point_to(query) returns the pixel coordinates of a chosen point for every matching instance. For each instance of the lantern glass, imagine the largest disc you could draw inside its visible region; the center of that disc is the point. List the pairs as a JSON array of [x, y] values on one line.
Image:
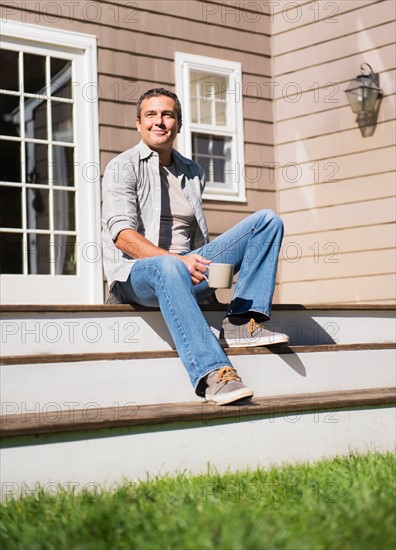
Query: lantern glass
[[362, 94]]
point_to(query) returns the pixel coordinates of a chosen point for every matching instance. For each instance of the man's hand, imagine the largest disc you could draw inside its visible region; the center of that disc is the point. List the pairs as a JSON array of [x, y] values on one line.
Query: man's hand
[[197, 265]]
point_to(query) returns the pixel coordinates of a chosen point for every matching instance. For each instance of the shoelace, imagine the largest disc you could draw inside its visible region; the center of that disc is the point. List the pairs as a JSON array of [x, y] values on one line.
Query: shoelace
[[252, 326], [226, 374]]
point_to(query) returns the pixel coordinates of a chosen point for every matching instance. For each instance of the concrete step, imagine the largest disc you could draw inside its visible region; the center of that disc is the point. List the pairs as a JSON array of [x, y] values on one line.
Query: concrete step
[[86, 452], [50, 384], [51, 330]]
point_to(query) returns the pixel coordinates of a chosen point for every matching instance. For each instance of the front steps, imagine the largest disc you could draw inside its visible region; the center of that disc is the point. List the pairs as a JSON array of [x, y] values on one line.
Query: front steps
[[84, 400]]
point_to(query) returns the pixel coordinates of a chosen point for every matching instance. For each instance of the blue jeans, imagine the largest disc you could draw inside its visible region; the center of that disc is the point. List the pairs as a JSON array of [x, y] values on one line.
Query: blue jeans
[[252, 246]]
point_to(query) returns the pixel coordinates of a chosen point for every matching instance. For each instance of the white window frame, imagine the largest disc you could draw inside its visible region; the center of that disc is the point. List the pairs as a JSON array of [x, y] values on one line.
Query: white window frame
[[87, 286], [184, 63]]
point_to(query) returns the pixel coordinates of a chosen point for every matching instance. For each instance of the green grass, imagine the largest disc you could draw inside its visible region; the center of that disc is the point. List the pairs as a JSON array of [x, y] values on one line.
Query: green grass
[[345, 503]]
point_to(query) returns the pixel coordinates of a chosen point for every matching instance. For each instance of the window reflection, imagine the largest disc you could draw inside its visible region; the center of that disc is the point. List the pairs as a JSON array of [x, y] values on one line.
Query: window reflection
[[62, 121], [39, 254], [37, 163], [11, 207], [65, 255], [61, 78], [11, 253], [37, 211], [34, 73], [64, 211], [36, 118], [9, 70], [9, 115], [10, 160], [63, 165]]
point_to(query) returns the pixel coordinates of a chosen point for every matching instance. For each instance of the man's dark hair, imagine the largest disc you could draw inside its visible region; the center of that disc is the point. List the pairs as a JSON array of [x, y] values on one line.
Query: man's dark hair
[[156, 92]]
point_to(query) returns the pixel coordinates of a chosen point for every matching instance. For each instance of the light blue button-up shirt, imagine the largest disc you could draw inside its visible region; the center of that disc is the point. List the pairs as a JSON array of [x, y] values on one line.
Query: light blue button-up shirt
[[132, 200]]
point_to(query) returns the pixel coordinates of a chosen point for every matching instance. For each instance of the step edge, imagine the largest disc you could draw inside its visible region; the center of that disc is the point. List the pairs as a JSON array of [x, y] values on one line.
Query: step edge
[[166, 413], [124, 355], [111, 308]]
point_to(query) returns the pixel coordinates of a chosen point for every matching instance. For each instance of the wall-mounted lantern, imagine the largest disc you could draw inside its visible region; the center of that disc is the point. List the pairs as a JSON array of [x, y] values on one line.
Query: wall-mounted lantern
[[364, 96]]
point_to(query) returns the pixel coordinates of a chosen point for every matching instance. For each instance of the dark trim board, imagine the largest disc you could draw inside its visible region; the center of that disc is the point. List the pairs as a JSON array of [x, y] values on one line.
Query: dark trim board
[[111, 308], [166, 413], [278, 350]]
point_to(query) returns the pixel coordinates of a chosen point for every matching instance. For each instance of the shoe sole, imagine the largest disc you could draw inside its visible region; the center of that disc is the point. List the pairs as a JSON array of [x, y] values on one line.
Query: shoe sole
[[252, 343], [226, 398]]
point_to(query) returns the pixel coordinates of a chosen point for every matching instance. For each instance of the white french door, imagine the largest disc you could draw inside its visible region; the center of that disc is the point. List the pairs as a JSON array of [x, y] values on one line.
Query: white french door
[[49, 169]]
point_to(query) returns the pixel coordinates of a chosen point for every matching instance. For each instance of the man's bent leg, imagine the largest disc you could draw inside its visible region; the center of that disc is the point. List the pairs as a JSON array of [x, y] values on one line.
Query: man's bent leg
[[252, 246], [165, 281]]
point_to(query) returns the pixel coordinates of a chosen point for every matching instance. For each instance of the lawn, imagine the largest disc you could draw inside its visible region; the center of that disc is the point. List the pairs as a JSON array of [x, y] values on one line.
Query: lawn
[[346, 503]]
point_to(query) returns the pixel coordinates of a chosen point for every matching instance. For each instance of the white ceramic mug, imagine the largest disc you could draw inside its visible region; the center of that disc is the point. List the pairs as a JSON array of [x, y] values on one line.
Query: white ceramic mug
[[220, 275]]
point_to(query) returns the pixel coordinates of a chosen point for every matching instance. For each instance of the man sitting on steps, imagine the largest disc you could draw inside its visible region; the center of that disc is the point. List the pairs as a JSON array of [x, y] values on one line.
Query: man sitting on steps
[[157, 250]]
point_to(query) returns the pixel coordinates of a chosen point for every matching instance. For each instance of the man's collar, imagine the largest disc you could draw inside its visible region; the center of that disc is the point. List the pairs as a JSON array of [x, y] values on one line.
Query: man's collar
[[144, 150]]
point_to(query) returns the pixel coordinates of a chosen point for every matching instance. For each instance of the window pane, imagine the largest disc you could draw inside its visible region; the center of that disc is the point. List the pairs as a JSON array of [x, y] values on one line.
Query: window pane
[[10, 160], [35, 118], [37, 208], [63, 165], [206, 164], [220, 113], [219, 170], [194, 110], [38, 251], [9, 70], [11, 207], [61, 78], [219, 146], [64, 211], [11, 253], [37, 163], [9, 115], [211, 92], [34, 73], [62, 121], [205, 108], [65, 255], [201, 144]]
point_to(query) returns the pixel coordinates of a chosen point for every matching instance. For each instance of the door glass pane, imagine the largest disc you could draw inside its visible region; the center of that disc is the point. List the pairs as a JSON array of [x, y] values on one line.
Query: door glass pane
[[35, 118], [38, 252], [37, 210], [62, 121], [9, 115], [63, 165], [9, 70], [34, 73], [10, 160], [37, 163], [64, 210], [11, 253], [65, 255], [61, 78], [11, 207]]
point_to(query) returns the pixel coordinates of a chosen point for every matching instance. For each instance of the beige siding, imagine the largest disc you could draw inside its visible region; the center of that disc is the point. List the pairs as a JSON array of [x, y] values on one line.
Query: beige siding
[[335, 188]]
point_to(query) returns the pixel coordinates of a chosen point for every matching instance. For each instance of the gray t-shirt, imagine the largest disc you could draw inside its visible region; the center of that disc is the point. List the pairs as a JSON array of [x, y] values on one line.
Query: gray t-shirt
[[176, 214]]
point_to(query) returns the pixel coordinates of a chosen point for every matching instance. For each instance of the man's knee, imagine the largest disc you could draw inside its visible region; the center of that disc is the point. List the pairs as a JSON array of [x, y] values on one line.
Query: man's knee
[[171, 268], [269, 216]]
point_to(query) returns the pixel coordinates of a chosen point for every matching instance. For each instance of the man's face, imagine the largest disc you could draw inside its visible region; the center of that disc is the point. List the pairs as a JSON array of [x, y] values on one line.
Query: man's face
[[158, 123]]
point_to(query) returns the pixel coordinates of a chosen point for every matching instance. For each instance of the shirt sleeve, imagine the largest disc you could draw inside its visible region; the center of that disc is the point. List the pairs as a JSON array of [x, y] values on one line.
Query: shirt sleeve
[[120, 208]]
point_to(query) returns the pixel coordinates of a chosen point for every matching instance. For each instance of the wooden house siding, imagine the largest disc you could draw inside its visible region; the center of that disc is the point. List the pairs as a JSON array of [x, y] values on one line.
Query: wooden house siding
[[335, 188]]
